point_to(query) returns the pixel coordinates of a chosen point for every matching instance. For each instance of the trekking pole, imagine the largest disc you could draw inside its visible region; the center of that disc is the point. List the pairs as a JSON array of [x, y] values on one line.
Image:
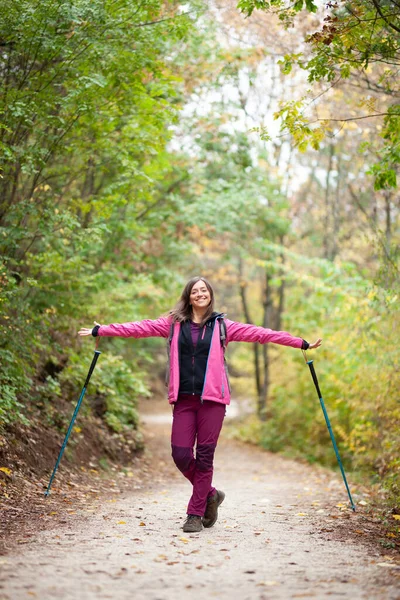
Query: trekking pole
[[328, 423], [92, 366]]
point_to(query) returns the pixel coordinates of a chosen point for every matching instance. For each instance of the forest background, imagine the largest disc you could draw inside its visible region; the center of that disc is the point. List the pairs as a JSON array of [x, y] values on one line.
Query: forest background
[[256, 144]]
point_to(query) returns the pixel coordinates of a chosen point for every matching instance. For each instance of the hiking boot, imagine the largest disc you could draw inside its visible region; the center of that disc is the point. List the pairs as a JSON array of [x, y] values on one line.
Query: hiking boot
[[192, 524], [211, 514]]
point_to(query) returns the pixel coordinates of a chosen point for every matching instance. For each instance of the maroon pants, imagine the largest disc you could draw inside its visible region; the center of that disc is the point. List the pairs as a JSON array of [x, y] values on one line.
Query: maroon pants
[[198, 422]]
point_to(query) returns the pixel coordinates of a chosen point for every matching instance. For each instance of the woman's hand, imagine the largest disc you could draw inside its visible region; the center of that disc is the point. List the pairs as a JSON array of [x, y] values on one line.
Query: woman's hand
[[86, 331], [315, 344]]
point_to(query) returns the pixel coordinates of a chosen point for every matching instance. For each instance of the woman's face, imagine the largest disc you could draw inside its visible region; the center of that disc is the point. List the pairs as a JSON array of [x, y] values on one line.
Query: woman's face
[[200, 296]]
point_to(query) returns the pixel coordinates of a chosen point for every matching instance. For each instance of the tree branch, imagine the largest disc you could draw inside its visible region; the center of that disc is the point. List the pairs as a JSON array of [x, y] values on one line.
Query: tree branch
[[384, 17]]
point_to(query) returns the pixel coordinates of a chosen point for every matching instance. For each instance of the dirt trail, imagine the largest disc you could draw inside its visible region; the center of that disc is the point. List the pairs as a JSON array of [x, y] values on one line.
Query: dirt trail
[[279, 536]]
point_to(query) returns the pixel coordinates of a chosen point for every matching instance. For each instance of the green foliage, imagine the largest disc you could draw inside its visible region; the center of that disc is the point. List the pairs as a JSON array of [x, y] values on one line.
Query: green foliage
[[357, 369], [87, 99], [248, 6], [115, 384]]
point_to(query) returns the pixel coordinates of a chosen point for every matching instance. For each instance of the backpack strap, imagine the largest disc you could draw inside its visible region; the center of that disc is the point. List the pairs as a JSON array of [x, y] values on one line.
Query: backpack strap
[[222, 332], [171, 333], [169, 340]]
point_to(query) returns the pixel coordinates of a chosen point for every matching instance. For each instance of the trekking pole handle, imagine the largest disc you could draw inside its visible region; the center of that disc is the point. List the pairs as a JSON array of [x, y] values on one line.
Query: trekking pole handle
[[314, 376], [92, 366]]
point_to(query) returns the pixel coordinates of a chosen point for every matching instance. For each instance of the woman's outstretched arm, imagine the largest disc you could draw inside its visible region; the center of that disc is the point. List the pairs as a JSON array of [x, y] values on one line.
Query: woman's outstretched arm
[[243, 332], [137, 329]]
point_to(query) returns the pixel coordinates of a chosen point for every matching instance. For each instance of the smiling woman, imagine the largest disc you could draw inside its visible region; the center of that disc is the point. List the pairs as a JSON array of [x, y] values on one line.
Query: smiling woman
[[198, 387]]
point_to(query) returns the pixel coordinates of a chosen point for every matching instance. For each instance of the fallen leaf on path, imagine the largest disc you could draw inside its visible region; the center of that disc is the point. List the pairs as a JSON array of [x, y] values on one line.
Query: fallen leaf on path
[[121, 523], [301, 515], [184, 540], [141, 524], [267, 583]]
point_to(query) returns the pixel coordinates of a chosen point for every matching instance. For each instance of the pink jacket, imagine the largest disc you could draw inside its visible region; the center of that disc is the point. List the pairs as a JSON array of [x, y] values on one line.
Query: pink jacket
[[216, 384]]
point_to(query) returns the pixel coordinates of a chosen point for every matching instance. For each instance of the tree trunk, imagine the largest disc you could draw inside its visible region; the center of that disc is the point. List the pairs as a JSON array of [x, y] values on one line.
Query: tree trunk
[[327, 224], [262, 397], [256, 347]]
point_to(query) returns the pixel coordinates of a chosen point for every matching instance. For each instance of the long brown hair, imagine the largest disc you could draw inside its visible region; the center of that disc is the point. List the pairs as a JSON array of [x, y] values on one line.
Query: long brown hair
[[183, 309]]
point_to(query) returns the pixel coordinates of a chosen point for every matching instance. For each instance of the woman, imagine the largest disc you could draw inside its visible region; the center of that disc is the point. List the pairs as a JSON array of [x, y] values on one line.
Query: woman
[[198, 385]]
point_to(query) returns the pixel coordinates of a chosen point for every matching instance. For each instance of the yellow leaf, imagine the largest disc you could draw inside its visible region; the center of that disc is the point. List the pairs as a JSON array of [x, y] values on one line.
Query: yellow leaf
[[141, 524], [397, 517], [52, 513], [121, 523], [77, 429], [5, 470], [301, 515], [388, 565], [184, 540]]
